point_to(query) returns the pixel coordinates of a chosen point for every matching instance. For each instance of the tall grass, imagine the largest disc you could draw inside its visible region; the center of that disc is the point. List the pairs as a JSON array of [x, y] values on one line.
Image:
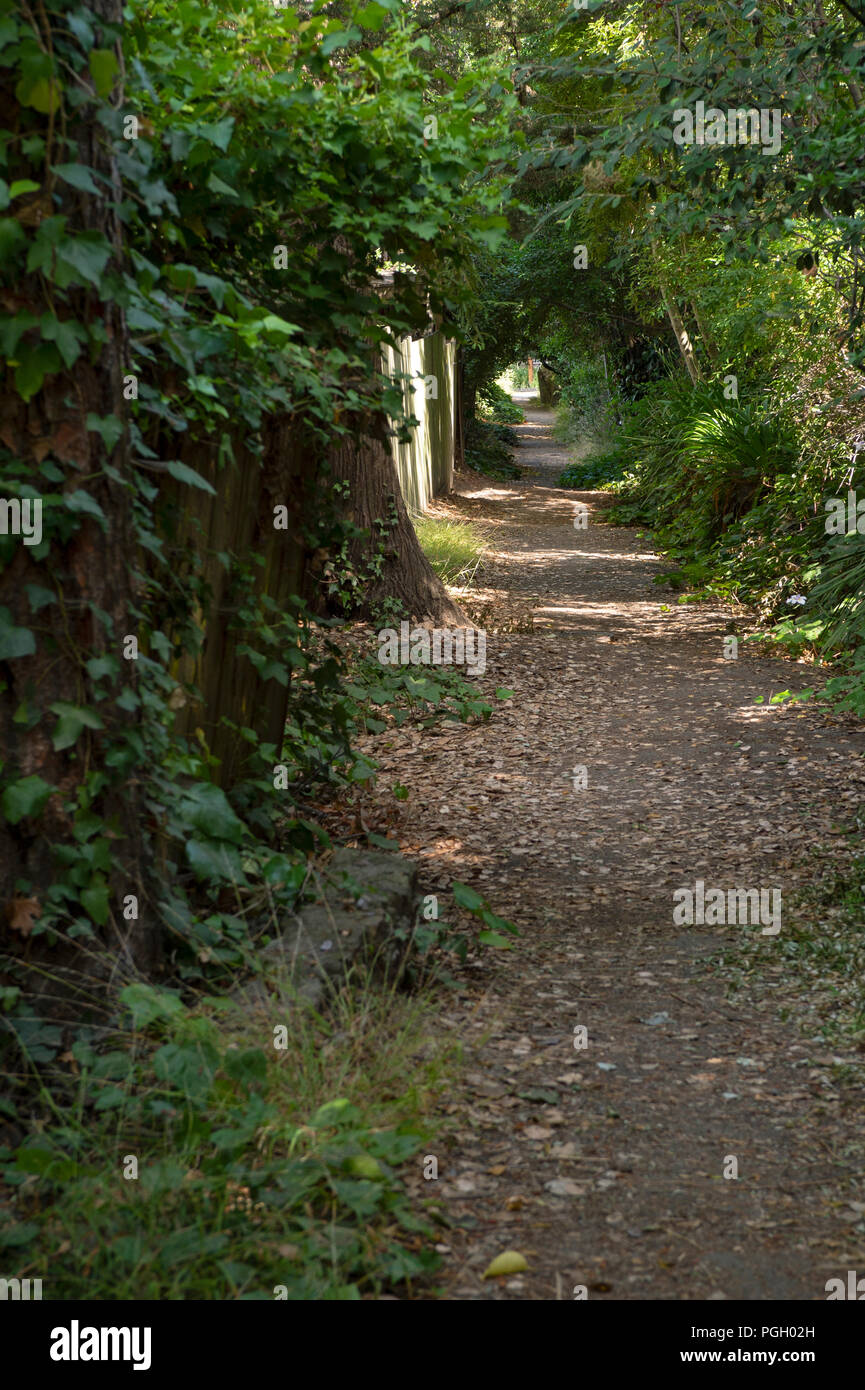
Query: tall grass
[[204, 1154], [455, 549]]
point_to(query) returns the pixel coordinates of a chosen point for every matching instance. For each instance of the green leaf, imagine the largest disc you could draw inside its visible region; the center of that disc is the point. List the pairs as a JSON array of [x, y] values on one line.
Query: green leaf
[[104, 68], [372, 16], [215, 860], [184, 474], [249, 1067], [72, 719], [14, 641], [216, 185], [492, 938], [11, 330], [272, 323], [38, 596], [147, 1004], [206, 808], [108, 427], [99, 666], [20, 1234], [83, 259], [21, 186], [218, 133], [8, 31], [11, 236], [466, 897], [34, 365], [47, 1163], [82, 503], [26, 797], [67, 334], [341, 39], [109, 1098], [78, 175], [43, 94], [94, 900]]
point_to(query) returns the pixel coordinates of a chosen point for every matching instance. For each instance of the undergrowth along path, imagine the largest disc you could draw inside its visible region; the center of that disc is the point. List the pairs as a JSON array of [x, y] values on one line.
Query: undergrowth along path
[[604, 1166]]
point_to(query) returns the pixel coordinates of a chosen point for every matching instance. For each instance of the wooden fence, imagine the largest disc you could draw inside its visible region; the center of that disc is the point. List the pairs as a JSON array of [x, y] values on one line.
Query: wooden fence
[[426, 465], [238, 520]]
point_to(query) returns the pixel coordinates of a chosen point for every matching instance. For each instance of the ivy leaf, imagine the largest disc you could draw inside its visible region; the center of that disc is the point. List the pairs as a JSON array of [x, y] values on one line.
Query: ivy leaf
[[216, 185], [103, 68], [78, 175], [215, 859], [11, 235], [82, 258], [81, 29], [43, 94], [184, 474], [67, 334], [26, 797], [39, 596], [99, 666], [108, 427], [14, 641], [82, 503], [11, 330], [35, 364], [206, 808], [94, 900], [20, 186], [8, 31], [71, 720]]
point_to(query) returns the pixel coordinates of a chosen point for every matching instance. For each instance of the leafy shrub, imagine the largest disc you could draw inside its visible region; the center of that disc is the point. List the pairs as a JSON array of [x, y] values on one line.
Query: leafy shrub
[[495, 404], [258, 1169], [488, 449], [588, 408], [593, 472]]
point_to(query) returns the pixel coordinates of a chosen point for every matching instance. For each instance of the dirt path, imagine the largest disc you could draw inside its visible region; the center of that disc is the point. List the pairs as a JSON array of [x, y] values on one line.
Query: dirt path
[[605, 1166]]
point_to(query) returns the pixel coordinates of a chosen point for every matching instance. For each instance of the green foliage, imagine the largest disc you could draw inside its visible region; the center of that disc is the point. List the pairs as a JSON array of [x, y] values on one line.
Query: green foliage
[[227, 161], [823, 946], [495, 404], [432, 941], [594, 472], [488, 449], [261, 1173]]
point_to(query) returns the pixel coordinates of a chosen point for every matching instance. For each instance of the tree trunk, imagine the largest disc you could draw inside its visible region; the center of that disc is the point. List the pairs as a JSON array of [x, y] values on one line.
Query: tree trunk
[[548, 390], [386, 563], [685, 346], [90, 575]]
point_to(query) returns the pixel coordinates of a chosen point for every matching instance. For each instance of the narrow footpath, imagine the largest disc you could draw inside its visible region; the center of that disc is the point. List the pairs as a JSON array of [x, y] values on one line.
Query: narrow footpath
[[604, 1165]]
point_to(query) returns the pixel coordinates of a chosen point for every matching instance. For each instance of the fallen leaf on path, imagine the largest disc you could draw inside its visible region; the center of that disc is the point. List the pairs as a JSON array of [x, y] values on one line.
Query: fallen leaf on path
[[509, 1262]]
